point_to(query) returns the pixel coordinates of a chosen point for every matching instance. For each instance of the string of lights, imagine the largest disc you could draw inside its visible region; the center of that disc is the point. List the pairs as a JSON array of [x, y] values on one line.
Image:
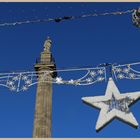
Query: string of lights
[[21, 81], [60, 19]]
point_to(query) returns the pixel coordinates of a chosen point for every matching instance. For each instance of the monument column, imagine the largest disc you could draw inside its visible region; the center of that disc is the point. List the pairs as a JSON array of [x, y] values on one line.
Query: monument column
[[43, 108]]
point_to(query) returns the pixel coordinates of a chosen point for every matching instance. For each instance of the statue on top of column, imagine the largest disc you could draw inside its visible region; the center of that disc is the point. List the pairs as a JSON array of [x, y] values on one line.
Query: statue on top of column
[[47, 44]]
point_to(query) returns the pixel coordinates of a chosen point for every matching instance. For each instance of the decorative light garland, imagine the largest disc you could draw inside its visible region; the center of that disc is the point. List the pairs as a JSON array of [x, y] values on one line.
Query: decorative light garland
[[59, 19], [126, 72], [21, 81]]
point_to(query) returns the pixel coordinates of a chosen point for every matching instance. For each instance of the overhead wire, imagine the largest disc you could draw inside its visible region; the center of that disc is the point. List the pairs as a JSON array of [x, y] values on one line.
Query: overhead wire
[[101, 66], [64, 18]]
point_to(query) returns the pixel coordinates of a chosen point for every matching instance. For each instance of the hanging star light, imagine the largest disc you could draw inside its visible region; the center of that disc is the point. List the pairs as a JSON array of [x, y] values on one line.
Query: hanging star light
[[113, 105]]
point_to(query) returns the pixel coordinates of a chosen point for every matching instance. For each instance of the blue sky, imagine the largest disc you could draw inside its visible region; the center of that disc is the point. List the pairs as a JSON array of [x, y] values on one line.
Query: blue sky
[[76, 43]]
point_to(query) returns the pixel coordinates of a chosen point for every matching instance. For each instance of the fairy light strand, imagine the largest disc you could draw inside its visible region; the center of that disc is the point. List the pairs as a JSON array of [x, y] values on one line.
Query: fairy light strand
[[59, 19]]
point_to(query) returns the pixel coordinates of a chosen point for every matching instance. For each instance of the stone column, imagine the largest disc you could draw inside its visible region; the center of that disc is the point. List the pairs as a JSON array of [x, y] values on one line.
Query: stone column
[[43, 108]]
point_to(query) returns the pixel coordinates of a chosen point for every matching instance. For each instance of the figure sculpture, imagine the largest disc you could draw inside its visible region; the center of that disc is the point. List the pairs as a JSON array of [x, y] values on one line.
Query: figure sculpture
[[47, 45]]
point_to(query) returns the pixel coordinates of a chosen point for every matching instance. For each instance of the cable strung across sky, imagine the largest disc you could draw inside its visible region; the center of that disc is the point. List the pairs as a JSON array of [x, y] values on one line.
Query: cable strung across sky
[[65, 18]]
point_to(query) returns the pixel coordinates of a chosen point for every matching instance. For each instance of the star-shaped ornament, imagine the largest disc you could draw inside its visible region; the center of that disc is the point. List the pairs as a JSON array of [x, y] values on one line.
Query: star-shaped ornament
[[113, 105]]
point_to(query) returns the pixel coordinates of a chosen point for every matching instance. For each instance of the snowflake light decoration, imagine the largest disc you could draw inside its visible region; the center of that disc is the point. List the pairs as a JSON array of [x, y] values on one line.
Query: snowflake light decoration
[[22, 81], [125, 72]]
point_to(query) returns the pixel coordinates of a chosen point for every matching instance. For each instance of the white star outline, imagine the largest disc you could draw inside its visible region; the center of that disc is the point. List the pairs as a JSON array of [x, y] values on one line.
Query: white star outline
[[106, 116]]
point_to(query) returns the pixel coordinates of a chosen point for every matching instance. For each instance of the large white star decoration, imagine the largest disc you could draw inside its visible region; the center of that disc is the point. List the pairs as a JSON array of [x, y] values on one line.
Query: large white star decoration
[[113, 105]]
